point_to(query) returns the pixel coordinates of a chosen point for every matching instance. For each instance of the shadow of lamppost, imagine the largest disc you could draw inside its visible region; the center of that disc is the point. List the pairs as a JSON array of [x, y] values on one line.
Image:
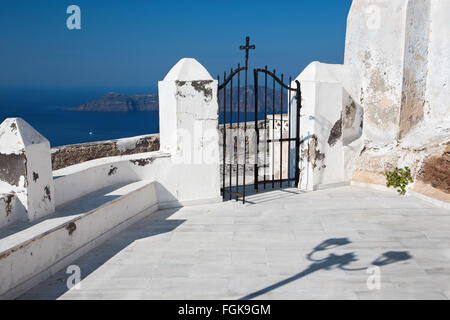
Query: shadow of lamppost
[[333, 261]]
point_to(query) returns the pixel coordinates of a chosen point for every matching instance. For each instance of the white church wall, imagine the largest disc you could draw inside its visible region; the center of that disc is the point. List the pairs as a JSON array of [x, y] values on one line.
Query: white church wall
[[438, 80], [375, 43], [400, 49]]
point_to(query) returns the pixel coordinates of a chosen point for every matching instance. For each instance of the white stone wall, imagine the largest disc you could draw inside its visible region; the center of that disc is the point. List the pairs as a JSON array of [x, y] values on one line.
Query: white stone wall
[[438, 80], [375, 43], [400, 48]]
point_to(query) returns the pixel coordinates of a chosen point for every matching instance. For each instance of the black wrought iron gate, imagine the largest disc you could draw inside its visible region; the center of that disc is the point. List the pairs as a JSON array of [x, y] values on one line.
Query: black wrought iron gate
[[258, 153]]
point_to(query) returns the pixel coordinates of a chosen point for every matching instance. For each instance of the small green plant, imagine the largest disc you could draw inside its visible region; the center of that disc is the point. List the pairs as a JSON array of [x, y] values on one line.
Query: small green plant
[[399, 178]]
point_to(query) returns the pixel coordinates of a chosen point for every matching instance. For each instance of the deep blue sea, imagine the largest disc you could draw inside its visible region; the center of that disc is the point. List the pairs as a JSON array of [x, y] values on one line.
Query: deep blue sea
[[44, 110]]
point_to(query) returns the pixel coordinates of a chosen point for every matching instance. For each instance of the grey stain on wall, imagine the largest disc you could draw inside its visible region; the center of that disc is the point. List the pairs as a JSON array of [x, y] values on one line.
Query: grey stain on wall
[[12, 168], [314, 156], [336, 133], [8, 202], [112, 171], [71, 227], [47, 194], [203, 86], [142, 162]]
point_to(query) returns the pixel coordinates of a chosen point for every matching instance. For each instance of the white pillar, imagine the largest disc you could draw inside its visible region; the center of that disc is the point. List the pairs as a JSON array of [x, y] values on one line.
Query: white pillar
[[26, 170], [188, 115], [321, 155]]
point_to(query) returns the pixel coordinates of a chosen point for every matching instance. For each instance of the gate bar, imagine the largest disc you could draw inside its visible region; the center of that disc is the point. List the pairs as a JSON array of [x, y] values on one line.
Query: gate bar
[[289, 129], [225, 132], [231, 131], [281, 135], [223, 147], [238, 130], [273, 132], [265, 124], [297, 142], [255, 182]]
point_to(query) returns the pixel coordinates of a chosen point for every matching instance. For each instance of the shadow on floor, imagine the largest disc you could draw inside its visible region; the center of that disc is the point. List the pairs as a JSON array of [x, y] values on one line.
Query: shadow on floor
[[266, 194], [156, 224], [333, 261]]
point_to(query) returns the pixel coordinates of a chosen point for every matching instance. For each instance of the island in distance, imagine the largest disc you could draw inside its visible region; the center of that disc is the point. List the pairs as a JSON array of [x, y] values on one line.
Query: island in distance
[[149, 102], [121, 102]]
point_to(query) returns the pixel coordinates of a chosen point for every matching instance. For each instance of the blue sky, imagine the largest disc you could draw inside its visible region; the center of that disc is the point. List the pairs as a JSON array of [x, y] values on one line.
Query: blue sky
[[133, 44]]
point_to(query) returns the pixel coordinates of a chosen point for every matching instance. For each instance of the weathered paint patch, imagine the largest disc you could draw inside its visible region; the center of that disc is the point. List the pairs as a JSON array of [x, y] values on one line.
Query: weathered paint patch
[[71, 227], [435, 171], [47, 194], [12, 167], [335, 133], [65, 156], [8, 203], [349, 115], [411, 112], [142, 162], [180, 83], [203, 87], [314, 156], [112, 171]]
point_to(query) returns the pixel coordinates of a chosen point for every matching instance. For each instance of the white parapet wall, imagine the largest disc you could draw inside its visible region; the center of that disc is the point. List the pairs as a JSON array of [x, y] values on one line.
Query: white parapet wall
[[32, 254]]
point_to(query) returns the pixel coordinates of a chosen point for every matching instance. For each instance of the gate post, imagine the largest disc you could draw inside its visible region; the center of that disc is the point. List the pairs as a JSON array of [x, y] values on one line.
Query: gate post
[[322, 149], [188, 118]]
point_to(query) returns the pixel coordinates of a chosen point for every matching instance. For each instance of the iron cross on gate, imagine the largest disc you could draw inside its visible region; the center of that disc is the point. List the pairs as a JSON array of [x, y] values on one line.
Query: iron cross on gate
[[247, 48]]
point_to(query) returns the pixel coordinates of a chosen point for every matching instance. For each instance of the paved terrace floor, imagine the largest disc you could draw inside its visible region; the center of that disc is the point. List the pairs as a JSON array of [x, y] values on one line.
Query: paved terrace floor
[[287, 245]]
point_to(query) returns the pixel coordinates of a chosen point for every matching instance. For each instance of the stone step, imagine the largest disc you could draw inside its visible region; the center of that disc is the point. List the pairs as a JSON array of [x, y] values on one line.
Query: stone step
[[31, 252]]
